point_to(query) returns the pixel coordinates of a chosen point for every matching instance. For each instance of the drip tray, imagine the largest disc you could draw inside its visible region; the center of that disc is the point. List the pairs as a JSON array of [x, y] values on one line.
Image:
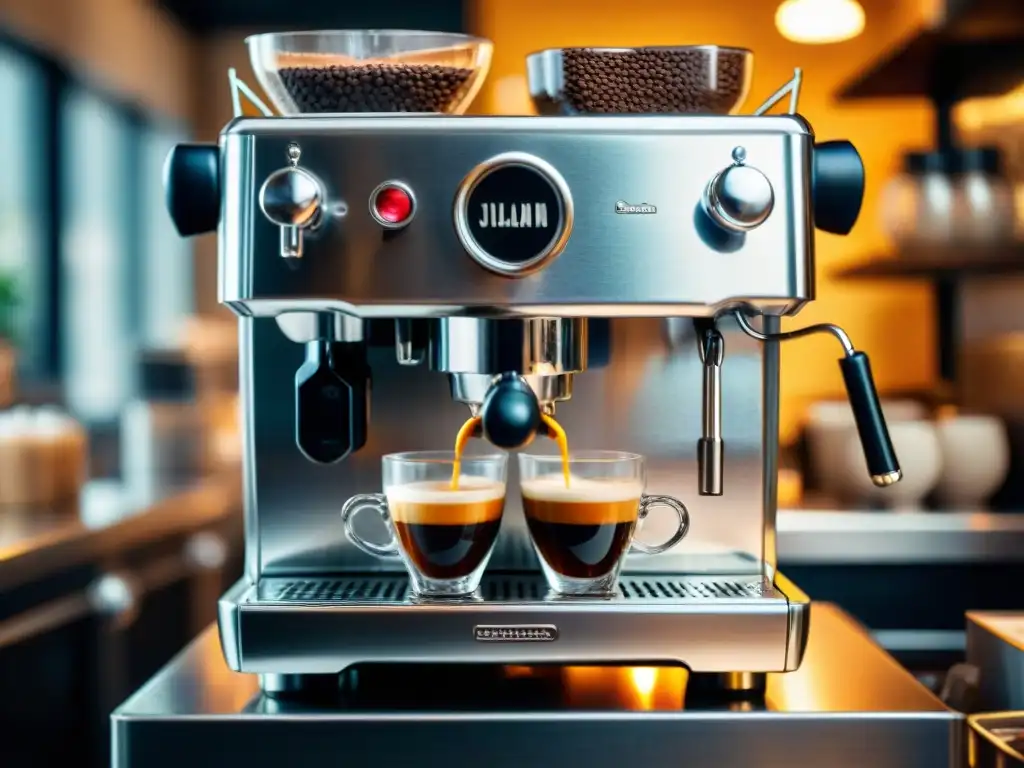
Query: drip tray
[[515, 589], [321, 626]]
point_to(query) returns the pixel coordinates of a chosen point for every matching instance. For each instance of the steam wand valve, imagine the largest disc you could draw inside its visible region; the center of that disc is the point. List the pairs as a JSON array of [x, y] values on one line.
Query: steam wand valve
[[510, 415], [879, 454], [710, 447], [292, 198]]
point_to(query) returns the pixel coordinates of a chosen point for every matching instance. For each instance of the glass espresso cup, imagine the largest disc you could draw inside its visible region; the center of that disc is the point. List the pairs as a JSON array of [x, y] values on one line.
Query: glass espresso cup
[[582, 531], [444, 535]]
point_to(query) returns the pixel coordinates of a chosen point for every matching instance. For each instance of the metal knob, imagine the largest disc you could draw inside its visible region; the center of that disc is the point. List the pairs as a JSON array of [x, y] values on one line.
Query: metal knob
[[739, 198], [293, 199]]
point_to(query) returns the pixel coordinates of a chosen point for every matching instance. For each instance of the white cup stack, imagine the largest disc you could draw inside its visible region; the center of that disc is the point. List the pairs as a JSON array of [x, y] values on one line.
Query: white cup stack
[[962, 458]]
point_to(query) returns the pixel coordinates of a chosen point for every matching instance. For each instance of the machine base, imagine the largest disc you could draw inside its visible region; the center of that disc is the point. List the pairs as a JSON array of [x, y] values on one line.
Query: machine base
[[196, 713], [282, 628]]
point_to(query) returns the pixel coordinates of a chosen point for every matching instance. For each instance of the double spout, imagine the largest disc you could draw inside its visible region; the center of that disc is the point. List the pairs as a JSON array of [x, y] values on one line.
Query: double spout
[[510, 414], [510, 372]]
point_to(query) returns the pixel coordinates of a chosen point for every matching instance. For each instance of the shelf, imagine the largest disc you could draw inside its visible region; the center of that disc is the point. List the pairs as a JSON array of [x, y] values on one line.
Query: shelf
[[210, 16], [974, 52], [826, 536], [941, 263]]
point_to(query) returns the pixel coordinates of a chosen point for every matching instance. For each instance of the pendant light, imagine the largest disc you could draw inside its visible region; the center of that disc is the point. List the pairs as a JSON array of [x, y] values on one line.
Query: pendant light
[[817, 22]]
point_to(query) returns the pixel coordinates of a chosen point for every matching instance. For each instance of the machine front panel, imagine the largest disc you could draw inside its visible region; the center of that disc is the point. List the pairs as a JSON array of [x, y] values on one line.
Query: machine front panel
[[646, 398], [625, 197]]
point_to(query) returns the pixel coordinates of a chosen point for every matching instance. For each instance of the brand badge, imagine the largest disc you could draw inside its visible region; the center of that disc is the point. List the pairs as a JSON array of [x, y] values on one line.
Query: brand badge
[[623, 207], [515, 633]]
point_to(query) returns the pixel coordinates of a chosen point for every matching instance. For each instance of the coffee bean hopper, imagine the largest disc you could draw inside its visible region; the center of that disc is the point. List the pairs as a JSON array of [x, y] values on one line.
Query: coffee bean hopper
[[456, 260]]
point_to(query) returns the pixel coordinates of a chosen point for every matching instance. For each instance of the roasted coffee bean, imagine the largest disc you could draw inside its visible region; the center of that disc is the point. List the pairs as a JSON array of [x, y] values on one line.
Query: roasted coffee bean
[[651, 80], [376, 87]]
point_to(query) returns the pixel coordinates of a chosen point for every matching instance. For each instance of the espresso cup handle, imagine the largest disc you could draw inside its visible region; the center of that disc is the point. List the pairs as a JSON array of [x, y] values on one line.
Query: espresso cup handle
[[378, 503], [646, 502]]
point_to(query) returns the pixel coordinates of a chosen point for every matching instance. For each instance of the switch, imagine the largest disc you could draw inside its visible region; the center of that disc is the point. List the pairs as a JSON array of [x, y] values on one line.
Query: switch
[[392, 205]]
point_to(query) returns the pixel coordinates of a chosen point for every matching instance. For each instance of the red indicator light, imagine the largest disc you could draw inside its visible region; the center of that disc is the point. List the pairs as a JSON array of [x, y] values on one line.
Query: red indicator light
[[392, 205]]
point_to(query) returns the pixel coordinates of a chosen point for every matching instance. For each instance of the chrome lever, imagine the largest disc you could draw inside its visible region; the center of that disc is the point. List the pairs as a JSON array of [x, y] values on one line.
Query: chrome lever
[[710, 447]]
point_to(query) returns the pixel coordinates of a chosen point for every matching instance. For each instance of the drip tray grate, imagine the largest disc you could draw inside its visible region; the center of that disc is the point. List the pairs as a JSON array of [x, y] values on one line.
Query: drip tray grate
[[514, 589]]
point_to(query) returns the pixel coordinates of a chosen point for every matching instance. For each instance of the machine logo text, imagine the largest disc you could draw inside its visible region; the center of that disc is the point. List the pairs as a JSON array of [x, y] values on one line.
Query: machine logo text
[[513, 215]]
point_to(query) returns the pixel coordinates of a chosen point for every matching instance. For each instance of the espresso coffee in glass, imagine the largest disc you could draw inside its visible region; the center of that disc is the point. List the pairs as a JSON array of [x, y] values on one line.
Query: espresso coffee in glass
[[443, 520], [583, 522]]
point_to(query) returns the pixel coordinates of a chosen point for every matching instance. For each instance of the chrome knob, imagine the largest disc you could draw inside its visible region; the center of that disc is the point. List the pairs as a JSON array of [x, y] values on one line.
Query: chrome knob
[[292, 198], [739, 198]]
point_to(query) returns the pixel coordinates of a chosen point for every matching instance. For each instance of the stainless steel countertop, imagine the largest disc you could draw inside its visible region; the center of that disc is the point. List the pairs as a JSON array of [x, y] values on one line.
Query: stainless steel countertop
[[107, 517], [850, 701], [831, 537]]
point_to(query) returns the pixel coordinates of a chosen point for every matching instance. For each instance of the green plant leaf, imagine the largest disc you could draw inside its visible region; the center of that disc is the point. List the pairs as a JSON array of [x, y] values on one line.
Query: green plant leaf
[[9, 301]]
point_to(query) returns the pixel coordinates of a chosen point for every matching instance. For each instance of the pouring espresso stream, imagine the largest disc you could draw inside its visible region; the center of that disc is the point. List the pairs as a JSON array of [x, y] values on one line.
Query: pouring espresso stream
[[472, 426]]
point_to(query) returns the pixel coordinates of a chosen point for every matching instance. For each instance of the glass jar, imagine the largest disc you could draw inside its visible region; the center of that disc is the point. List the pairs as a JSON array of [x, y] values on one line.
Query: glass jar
[[985, 198], [919, 206], [161, 429]]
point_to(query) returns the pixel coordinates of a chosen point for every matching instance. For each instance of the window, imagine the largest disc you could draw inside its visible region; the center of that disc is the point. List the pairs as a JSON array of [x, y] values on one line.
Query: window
[[84, 235], [166, 277], [98, 339], [24, 205]]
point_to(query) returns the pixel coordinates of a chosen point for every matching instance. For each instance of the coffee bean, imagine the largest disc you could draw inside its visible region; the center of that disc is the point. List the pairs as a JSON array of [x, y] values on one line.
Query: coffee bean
[[651, 80], [376, 87]]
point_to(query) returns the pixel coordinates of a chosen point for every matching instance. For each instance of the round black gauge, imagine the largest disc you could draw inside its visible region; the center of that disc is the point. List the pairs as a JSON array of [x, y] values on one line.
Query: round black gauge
[[513, 215]]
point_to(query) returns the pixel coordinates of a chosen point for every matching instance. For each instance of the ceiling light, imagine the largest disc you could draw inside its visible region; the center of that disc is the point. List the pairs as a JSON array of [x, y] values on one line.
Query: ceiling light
[[819, 21]]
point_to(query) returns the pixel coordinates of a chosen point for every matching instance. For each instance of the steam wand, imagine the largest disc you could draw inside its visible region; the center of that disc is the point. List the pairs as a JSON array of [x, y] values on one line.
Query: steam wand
[[710, 447], [860, 389]]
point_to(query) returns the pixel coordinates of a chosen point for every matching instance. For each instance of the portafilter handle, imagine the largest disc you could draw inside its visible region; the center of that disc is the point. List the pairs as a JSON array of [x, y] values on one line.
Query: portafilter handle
[[879, 453]]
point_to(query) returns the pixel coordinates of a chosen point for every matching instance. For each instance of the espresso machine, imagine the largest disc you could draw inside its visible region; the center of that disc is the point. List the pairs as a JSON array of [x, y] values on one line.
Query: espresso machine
[[623, 261]]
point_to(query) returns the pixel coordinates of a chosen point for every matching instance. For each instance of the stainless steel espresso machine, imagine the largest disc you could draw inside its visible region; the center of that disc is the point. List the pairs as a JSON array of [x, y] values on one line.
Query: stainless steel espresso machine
[[623, 261]]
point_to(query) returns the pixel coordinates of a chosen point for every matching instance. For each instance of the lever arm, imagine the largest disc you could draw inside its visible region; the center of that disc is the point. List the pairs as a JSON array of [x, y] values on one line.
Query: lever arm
[[867, 412], [879, 453]]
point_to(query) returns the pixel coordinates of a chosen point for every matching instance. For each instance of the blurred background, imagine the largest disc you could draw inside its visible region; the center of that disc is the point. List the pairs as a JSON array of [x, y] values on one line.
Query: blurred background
[[120, 503]]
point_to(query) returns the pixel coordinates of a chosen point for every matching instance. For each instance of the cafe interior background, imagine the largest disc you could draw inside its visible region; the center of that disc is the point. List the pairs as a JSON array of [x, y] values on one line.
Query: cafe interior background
[[120, 506]]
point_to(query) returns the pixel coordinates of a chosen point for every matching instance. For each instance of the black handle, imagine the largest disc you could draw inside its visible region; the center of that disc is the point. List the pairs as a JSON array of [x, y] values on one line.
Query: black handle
[[510, 413], [332, 400], [867, 411], [192, 188], [837, 180]]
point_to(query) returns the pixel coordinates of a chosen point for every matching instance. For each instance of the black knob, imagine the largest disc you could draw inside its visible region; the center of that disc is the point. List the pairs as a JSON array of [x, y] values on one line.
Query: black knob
[[332, 395], [510, 413], [838, 186], [192, 188]]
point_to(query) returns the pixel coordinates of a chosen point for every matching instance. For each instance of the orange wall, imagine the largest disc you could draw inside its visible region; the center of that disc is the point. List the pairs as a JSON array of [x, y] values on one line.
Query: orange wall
[[890, 322]]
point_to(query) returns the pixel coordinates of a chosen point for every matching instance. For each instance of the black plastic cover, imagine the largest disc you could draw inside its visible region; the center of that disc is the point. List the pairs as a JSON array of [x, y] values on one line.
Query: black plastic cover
[[332, 400], [838, 186]]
